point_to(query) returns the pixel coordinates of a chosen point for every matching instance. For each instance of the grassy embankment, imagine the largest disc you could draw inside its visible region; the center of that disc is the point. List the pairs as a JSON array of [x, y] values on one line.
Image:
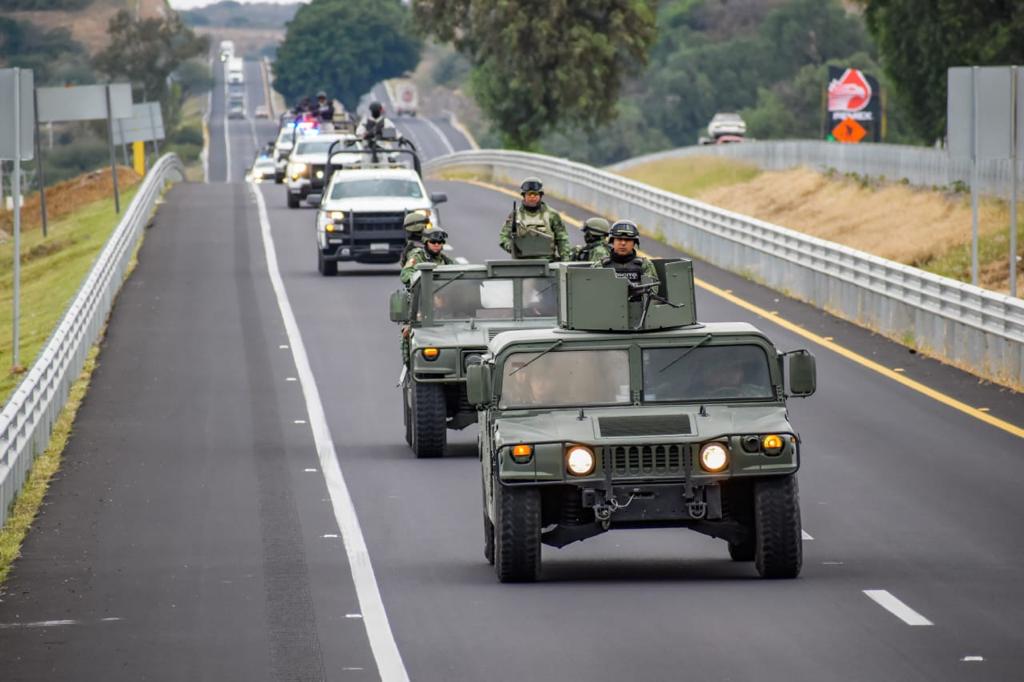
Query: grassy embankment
[[52, 271], [925, 228]]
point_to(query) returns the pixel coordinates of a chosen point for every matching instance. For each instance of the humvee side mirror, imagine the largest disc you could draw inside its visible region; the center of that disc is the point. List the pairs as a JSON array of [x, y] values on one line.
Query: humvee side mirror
[[438, 197], [803, 374], [400, 306], [478, 384]]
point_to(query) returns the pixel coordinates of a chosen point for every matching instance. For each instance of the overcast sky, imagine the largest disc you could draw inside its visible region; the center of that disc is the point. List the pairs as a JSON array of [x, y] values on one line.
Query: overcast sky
[[189, 4]]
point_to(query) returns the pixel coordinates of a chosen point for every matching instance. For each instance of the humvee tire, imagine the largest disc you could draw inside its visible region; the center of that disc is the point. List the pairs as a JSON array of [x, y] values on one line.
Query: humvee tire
[[779, 546], [327, 268], [517, 534], [429, 415], [293, 201], [488, 540], [407, 413]]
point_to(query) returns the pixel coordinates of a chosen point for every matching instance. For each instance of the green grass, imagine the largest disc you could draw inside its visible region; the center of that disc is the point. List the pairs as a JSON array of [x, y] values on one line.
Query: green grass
[[52, 269], [993, 251], [693, 175]]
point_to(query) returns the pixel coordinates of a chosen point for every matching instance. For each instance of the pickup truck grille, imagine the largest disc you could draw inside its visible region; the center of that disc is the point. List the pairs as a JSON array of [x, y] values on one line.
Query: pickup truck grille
[[379, 222], [648, 460]]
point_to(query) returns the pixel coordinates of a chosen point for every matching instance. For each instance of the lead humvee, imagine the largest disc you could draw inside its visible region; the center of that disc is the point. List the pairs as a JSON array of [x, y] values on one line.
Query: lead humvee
[[450, 313], [632, 414]]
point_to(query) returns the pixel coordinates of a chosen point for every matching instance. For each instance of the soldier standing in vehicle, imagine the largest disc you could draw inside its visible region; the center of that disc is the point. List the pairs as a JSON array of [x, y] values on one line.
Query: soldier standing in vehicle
[[414, 224], [595, 247], [624, 237], [533, 229], [375, 123], [324, 108], [432, 251]]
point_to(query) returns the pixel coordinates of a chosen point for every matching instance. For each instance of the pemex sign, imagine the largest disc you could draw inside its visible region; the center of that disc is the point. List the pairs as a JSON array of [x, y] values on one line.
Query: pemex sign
[[853, 111]]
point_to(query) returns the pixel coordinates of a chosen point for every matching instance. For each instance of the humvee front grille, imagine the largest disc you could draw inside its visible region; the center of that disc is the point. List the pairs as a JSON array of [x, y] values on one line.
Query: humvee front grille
[[646, 460], [649, 425]]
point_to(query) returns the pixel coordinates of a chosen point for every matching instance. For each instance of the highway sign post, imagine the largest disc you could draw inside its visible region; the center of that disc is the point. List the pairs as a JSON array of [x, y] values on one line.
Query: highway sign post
[[17, 114], [146, 124], [985, 123], [87, 103]]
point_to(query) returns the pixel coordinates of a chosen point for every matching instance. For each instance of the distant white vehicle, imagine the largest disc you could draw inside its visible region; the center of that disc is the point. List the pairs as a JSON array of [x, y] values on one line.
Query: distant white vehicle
[[406, 98], [726, 123], [227, 50], [236, 71]]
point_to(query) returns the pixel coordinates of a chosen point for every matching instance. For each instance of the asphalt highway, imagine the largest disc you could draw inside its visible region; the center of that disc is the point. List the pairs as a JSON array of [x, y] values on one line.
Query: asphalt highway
[[197, 530]]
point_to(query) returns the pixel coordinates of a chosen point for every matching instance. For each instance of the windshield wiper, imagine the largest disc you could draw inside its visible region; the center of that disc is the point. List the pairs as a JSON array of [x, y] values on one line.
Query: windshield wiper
[[686, 352], [449, 282], [537, 357]]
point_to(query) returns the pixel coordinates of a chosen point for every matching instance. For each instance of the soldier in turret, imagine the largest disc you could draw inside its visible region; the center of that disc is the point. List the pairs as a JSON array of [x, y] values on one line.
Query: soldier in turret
[[624, 238], [595, 247], [414, 224], [533, 229], [432, 251]]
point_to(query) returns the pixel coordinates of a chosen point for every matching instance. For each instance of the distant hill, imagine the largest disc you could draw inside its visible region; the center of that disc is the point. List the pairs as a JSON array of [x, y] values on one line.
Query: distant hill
[[230, 14], [86, 20]]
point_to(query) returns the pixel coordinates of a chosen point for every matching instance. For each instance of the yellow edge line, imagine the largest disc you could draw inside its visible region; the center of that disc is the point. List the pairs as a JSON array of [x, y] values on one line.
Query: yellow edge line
[[825, 343]]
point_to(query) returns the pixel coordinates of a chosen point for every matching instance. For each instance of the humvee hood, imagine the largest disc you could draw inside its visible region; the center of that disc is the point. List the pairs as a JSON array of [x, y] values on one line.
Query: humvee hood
[[566, 425]]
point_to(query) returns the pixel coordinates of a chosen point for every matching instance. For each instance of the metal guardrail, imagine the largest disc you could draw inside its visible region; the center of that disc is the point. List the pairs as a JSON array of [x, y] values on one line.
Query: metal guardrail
[[964, 324], [27, 419], [921, 166]]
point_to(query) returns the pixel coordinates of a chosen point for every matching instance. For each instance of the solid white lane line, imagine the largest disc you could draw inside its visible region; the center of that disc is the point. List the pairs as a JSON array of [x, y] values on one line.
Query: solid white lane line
[[805, 535], [378, 629], [53, 623], [227, 137], [890, 603], [444, 138]]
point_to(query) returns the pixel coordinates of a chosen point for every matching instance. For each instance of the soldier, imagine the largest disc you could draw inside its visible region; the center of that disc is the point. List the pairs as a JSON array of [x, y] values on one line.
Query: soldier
[[595, 232], [432, 251], [414, 224], [624, 237], [534, 230]]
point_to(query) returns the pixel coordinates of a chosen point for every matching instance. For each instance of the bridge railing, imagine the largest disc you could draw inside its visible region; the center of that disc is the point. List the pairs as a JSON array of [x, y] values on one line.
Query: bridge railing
[[963, 324], [920, 166], [27, 419]]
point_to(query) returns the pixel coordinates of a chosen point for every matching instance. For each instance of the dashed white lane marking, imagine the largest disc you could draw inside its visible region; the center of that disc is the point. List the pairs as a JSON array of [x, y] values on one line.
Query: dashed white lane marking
[[291, 379], [54, 623], [890, 603], [972, 659], [353, 615], [299, 421], [437, 131], [310, 471], [330, 535], [805, 535], [283, 346], [378, 630]]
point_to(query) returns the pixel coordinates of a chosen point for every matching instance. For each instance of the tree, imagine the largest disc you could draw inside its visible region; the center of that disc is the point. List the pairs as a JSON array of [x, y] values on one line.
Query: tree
[[920, 39], [147, 51], [538, 65], [344, 47]]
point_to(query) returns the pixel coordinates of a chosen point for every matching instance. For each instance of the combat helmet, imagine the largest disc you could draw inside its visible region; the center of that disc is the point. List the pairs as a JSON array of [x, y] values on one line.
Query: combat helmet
[[531, 184], [597, 227], [624, 229], [415, 223], [434, 234]]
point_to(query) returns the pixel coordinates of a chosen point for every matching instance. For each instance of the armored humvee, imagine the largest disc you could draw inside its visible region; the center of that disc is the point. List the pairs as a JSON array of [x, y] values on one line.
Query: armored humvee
[[450, 313], [632, 414]]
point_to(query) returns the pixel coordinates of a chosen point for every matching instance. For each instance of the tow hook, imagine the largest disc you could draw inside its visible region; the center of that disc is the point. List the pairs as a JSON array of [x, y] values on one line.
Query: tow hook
[[698, 509], [603, 510]]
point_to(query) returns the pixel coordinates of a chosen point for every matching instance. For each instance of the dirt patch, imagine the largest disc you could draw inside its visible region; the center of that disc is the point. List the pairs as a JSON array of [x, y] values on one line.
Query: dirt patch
[[66, 197], [897, 222]]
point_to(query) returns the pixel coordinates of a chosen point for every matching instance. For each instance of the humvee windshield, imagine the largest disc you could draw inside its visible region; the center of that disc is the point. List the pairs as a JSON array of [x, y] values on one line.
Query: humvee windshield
[[380, 187], [688, 374], [565, 378], [494, 299]]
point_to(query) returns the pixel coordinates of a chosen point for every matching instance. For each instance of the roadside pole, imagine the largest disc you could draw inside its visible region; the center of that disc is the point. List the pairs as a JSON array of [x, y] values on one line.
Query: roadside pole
[[1015, 144], [16, 196], [113, 159], [974, 175], [39, 163]]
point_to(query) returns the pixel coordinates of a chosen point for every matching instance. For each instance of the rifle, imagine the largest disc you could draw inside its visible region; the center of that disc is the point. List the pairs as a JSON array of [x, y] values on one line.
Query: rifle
[[646, 293], [515, 229]]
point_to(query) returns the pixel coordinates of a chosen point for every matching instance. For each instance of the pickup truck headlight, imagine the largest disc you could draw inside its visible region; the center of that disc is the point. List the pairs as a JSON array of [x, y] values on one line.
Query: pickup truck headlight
[[297, 170]]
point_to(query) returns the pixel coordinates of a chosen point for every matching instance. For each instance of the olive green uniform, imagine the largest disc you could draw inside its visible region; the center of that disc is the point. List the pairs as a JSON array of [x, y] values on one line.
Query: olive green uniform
[[540, 220], [637, 269], [421, 254], [591, 253]]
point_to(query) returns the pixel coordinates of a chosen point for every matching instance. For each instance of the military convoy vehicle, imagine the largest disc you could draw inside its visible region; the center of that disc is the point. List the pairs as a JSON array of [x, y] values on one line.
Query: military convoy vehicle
[[450, 313], [632, 414]]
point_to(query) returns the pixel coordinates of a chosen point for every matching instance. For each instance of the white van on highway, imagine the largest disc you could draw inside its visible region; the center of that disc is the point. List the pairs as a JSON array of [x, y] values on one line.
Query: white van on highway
[[236, 71]]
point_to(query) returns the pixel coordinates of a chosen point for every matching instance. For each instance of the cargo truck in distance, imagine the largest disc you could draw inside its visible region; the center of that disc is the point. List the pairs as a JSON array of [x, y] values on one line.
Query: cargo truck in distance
[[236, 71]]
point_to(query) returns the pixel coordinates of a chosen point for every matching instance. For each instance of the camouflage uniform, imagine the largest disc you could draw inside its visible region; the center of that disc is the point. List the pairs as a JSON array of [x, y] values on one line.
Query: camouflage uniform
[[541, 220], [422, 254], [594, 252]]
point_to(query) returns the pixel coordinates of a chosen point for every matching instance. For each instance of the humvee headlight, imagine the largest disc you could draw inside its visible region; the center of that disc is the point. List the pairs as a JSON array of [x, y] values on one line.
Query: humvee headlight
[[714, 457], [580, 460], [522, 453], [431, 353], [772, 444]]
